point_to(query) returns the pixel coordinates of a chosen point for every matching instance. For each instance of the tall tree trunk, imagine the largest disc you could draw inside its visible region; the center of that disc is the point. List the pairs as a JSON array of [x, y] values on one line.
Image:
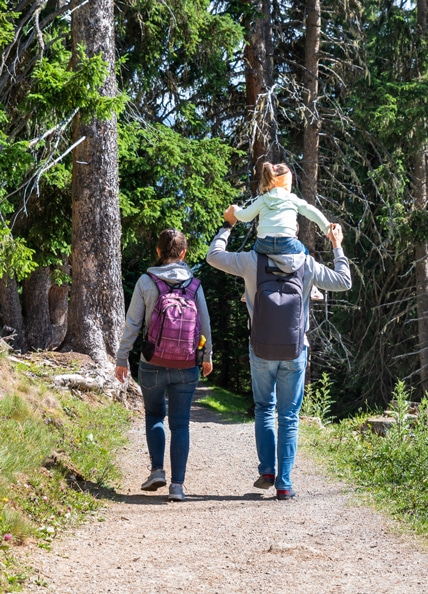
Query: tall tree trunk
[[96, 309], [421, 250], [45, 309], [421, 264], [259, 76], [311, 131], [35, 303], [11, 313], [421, 257], [58, 313]]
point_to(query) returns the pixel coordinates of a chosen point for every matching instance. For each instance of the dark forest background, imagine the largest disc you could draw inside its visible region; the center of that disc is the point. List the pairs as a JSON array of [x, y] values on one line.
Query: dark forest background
[[118, 119]]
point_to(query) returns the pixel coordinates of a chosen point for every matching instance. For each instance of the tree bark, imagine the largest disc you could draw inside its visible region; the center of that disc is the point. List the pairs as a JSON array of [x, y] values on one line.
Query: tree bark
[[421, 255], [259, 76], [309, 183], [45, 308], [421, 250], [11, 313], [35, 302], [58, 313], [96, 309], [422, 7], [421, 266]]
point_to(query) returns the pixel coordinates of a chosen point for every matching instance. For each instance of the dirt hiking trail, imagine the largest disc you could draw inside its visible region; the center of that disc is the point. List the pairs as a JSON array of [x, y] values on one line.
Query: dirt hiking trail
[[228, 536]]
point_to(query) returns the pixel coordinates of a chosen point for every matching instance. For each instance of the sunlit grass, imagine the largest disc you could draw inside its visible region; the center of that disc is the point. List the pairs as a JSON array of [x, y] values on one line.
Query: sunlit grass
[[15, 524], [232, 407], [93, 441], [26, 439], [49, 440], [390, 471]]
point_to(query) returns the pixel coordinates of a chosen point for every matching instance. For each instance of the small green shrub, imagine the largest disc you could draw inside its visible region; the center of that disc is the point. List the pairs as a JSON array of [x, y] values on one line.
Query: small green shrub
[[317, 401]]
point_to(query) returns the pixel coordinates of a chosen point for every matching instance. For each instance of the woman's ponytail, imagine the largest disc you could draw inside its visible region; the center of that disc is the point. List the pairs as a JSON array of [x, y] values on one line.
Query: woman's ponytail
[[171, 244]]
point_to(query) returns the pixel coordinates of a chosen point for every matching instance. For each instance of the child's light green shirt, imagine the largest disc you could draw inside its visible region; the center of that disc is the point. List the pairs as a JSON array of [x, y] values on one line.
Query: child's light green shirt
[[278, 210]]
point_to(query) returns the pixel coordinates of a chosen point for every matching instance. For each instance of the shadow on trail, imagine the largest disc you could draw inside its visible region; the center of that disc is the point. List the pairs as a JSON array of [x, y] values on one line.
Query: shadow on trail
[[161, 499], [199, 414], [202, 414]]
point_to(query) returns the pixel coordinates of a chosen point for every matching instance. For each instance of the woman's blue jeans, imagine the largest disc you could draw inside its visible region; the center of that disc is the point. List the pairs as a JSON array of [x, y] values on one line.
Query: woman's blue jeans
[[178, 386], [278, 386]]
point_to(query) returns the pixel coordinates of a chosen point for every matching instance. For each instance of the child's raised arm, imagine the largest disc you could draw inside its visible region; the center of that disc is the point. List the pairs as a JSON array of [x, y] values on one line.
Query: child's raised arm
[[312, 213], [248, 213]]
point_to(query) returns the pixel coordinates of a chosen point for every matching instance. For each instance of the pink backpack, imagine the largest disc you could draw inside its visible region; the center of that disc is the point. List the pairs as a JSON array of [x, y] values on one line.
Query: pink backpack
[[175, 326]]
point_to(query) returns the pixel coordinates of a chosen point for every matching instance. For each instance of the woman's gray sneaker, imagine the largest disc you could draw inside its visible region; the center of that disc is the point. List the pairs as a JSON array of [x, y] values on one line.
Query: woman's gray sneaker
[[155, 481], [176, 492]]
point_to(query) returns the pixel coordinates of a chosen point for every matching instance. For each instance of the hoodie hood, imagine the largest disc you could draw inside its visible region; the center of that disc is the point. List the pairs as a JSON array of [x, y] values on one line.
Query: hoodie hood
[[288, 262], [276, 197], [173, 273]]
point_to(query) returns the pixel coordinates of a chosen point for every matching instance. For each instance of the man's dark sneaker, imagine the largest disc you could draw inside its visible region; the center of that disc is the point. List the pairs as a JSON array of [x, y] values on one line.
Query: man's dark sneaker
[[265, 481], [285, 494]]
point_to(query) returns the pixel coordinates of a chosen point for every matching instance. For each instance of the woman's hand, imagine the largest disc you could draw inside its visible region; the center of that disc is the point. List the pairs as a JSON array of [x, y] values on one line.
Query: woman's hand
[[121, 373], [207, 367]]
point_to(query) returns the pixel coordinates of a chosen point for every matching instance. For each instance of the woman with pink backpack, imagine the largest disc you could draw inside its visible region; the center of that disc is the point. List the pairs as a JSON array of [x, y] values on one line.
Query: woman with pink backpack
[[169, 303]]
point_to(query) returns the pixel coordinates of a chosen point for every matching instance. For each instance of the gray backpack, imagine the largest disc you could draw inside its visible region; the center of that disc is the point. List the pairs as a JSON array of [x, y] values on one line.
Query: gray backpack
[[278, 326]]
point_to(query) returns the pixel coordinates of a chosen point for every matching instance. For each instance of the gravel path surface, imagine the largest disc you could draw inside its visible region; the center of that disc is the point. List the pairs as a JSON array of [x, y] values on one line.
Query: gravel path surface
[[228, 536]]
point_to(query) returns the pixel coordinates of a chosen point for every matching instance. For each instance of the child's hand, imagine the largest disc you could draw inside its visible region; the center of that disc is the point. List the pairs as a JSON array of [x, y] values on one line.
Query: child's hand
[[335, 235]]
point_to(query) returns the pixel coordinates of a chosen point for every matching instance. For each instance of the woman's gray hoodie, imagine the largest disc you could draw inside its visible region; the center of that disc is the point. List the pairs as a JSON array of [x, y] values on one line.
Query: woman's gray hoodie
[[143, 302]]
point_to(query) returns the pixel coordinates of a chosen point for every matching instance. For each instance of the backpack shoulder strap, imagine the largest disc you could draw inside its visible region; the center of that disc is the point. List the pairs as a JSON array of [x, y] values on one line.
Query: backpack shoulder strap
[[262, 262], [162, 286], [300, 272], [193, 286]]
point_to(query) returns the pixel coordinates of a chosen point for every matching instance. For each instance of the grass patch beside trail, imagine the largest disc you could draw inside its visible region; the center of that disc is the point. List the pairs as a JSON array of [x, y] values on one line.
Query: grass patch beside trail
[[57, 450], [388, 471], [232, 407]]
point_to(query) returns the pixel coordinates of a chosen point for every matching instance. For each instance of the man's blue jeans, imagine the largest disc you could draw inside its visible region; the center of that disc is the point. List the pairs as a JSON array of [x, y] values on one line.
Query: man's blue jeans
[[179, 385], [278, 386]]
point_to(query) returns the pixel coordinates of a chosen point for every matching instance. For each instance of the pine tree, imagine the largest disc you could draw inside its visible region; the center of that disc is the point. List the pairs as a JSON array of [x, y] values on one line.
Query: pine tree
[[96, 309]]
